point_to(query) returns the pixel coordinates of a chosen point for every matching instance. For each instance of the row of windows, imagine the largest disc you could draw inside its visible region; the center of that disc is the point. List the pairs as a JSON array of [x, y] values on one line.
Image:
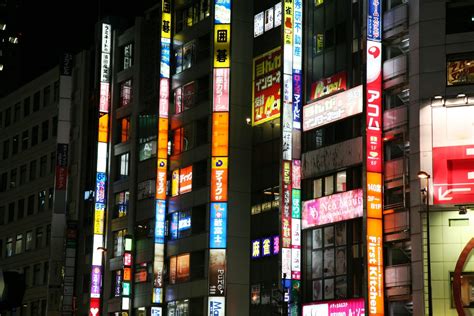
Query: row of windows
[[13, 114], [24, 242], [186, 55], [16, 210], [12, 147], [193, 13], [22, 175]]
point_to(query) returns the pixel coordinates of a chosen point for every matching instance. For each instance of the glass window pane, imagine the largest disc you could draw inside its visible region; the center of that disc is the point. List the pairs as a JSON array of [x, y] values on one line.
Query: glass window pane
[[328, 185], [341, 181], [317, 188]]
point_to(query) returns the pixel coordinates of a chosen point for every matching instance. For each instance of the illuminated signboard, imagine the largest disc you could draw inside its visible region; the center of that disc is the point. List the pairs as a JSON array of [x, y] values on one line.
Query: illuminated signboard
[[258, 24], [333, 208], [352, 307], [166, 19], [256, 249], [374, 20], [460, 72], [165, 61], [162, 138], [185, 180], [164, 97], [221, 89], [278, 14], [103, 127], [218, 230], [174, 226], [96, 281], [374, 195], [160, 221], [267, 246], [375, 266], [268, 23], [175, 182], [222, 12], [296, 263], [374, 106], [222, 45], [99, 218], [217, 274], [156, 311], [328, 86], [220, 134], [333, 108], [266, 86], [286, 263], [94, 307], [219, 174], [216, 306]]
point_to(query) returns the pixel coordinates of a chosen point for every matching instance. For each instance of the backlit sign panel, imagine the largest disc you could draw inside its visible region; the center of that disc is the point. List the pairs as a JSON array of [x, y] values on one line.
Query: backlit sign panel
[[99, 218], [221, 45], [328, 86], [333, 108], [216, 306], [374, 195], [460, 72], [164, 97], [351, 307], [217, 272], [375, 266], [333, 208], [220, 134], [374, 20], [268, 24], [166, 19], [185, 179], [258, 24], [266, 86], [160, 221], [94, 307], [219, 174], [218, 230], [175, 182], [161, 179], [222, 11], [286, 263], [96, 281], [221, 89]]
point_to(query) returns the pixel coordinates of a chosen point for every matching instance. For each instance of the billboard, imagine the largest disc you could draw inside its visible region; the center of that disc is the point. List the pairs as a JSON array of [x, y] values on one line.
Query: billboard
[[333, 208], [185, 179], [333, 108], [375, 266], [220, 134], [216, 306], [221, 89], [266, 86], [222, 11], [221, 45], [374, 194], [328, 86], [374, 20], [217, 272], [351, 307], [460, 72]]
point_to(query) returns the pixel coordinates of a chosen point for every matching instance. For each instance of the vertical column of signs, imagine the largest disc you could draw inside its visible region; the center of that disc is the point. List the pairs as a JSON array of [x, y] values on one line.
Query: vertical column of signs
[[101, 171], [126, 292], [162, 157], [374, 159], [219, 160]]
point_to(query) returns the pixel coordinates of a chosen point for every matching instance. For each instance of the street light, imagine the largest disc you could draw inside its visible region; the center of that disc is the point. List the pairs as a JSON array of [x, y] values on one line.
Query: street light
[[424, 175]]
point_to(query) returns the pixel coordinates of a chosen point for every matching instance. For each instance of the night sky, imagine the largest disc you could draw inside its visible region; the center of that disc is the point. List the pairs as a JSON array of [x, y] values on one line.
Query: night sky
[[52, 27]]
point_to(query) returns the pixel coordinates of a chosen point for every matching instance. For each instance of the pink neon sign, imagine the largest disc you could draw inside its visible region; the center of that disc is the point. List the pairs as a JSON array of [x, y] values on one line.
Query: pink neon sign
[[354, 307]]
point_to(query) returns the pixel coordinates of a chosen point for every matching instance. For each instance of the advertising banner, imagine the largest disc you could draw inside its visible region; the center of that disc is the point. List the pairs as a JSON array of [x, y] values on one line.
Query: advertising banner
[[218, 230], [164, 97], [185, 179], [333, 208], [216, 306], [96, 280], [352, 307], [374, 195], [333, 108], [166, 19], [375, 266], [460, 72], [221, 45], [266, 86], [160, 221], [217, 261], [221, 90], [374, 20], [222, 11], [219, 174], [328, 86], [220, 134]]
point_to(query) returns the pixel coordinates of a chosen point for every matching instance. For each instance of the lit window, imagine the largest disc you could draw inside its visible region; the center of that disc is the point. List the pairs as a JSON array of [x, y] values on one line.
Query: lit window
[[13, 39]]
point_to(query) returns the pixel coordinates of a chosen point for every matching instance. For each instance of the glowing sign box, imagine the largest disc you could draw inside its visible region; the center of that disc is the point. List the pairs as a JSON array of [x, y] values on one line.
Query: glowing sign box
[[218, 230], [333, 108], [217, 272], [219, 174], [333, 208], [328, 86], [185, 180], [220, 134], [352, 307], [375, 266]]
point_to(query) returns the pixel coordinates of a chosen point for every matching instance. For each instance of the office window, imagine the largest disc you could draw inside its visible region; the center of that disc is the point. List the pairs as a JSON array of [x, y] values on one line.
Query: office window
[[31, 205], [43, 165], [39, 238], [9, 247], [50, 198], [55, 126], [41, 200], [17, 112], [26, 107], [22, 174], [124, 129], [34, 135], [127, 56], [19, 244], [8, 117], [32, 170], [459, 17], [13, 179], [15, 144], [56, 91], [46, 96], [123, 162], [52, 162], [3, 182], [21, 208], [125, 93], [192, 14], [11, 212], [29, 240], [6, 149], [121, 204], [24, 140], [36, 101], [37, 274], [341, 181], [44, 130], [119, 239]]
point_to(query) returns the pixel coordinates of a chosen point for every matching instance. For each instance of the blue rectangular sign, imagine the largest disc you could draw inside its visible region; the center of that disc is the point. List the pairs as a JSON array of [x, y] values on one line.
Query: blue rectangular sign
[[218, 234], [160, 221], [374, 21]]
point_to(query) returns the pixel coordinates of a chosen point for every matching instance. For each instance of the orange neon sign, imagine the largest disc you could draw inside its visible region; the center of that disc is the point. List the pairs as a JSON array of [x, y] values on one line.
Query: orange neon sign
[[163, 138], [103, 128], [375, 266], [220, 134], [374, 195], [219, 176]]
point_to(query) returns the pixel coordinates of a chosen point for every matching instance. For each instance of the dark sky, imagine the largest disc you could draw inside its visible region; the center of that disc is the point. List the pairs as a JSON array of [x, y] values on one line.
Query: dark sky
[[52, 27]]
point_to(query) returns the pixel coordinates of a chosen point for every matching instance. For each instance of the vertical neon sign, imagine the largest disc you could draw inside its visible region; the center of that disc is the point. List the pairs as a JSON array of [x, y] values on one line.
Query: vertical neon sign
[[220, 152], [162, 156], [100, 209], [375, 286]]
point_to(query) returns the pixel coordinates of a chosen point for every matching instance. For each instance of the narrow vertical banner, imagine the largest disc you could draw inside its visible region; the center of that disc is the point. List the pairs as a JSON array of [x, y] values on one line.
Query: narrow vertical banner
[[162, 157], [219, 157], [374, 161], [100, 211]]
